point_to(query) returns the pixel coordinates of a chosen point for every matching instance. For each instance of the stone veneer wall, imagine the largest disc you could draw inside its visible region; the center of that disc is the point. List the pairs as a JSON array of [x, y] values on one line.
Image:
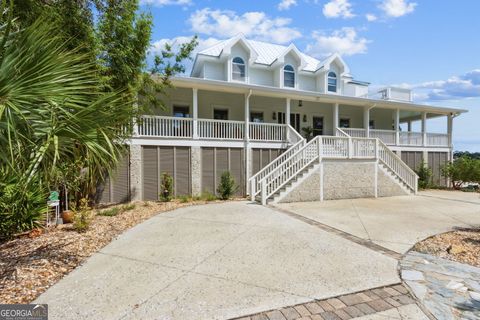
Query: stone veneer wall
[[135, 172], [343, 179]]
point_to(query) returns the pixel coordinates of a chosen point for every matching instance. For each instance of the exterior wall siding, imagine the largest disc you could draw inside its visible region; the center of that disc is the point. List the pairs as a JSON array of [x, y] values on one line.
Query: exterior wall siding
[[116, 189], [436, 160]]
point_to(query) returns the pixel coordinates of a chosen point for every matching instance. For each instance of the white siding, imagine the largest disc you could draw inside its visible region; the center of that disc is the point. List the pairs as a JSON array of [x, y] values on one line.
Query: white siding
[[261, 77], [306, 83], [214, 71]]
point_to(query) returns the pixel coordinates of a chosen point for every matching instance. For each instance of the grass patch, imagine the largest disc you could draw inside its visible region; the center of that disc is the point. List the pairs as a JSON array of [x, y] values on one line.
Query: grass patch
[[184, 199], [128, 207], [110, 212]]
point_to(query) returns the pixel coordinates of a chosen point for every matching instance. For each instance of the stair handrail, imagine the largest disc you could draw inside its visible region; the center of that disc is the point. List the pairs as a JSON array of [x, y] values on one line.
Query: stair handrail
[[397, 166], [289, 168], [255, 179], [341, 133]]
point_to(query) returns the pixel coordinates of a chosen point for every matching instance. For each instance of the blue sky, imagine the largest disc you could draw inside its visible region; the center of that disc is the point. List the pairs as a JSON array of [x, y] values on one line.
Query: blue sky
[[431, 46]]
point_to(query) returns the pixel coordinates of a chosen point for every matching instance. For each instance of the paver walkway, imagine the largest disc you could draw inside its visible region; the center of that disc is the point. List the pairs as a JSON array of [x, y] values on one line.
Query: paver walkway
[[448, 289]]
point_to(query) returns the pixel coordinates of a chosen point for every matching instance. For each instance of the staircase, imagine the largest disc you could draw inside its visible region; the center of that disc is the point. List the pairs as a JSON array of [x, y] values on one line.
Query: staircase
[[289, 169]]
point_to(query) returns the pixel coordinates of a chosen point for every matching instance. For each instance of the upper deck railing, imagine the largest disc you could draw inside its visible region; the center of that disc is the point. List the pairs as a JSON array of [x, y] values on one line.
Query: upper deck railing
[[404, 138]]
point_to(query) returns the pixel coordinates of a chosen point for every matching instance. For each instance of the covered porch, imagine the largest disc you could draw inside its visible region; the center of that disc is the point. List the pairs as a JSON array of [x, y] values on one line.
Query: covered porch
[[216, 113]]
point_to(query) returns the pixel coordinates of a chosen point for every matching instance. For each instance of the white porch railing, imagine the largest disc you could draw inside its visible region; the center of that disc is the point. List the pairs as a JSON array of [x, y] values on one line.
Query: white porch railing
[[281, 172], [167, 127], [437, 139], [254, 181], [409, 138], [210, 129], [355, 132], [267, 131], [386, 136], [221, 129]]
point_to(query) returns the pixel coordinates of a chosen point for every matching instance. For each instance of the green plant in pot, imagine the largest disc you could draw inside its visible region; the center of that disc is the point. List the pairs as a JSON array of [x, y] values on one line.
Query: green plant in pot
[[307, 133]]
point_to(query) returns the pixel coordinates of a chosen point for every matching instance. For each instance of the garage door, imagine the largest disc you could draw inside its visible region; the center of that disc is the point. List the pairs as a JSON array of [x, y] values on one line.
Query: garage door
[[436, 161], [172, 160], [215, 161], [116, 188]]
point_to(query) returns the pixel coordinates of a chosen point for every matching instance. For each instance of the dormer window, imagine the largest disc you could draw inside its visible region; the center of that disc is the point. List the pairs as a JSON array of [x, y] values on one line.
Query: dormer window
[[288, 76], [332, 82], [238, 69]]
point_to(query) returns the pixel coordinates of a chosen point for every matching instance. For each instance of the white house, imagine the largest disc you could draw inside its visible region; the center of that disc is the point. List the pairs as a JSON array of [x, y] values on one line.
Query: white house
[[246, 108]]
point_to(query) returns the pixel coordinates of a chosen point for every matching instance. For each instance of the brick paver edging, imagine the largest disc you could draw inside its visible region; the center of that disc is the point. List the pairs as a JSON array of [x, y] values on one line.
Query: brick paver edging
[[341, 307]]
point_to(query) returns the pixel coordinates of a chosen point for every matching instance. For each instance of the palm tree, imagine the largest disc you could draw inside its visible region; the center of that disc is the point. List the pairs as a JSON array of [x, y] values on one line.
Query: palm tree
[[53, 111]]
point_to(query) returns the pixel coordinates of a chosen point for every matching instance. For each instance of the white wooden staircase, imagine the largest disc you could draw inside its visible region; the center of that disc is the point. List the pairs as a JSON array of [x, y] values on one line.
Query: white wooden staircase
[[297, 161]]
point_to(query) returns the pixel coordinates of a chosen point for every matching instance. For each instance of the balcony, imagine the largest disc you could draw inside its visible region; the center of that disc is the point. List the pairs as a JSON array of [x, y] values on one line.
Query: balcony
[[209, 129], [404, 138]]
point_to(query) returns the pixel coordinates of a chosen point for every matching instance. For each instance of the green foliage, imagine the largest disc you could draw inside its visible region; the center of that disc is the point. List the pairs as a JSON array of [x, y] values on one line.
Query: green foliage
[[227, 186], [307, 132], [462, 170], [184, 199], [22, 204], [207, 196], [166, 187], [424, 175], [128, 207], [83, 217], [109, 212], [471, 155]]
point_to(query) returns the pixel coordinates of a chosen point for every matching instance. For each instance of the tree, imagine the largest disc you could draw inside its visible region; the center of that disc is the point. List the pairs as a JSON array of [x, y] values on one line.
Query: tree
[[52, 111], [462, 170], [424, 175]]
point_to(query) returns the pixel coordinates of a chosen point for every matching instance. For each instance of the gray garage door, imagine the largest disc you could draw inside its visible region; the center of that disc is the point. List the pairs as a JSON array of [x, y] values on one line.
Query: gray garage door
[[172, 160], [116, 188], [262, 157], [413, 159], [436, 160], [215, 161]]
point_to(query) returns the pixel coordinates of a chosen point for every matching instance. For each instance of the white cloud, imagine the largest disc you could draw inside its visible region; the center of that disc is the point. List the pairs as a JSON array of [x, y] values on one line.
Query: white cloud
[[337, 9], [344, 41], [161, 3], [465, 86], [286, 4], [397, 8], [256, 25], [371, 17]]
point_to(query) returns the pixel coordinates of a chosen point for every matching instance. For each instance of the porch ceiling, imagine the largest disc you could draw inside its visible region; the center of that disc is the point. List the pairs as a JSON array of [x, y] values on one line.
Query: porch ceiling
[[242, 88]]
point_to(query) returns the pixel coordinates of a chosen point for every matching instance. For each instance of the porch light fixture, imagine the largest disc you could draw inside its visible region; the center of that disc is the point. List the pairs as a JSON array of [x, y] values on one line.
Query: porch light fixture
[[300, 103], [304, 118], [274, 115]]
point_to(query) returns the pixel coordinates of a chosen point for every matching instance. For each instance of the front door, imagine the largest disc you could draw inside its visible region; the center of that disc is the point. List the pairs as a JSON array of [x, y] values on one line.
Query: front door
[[294, 120], [317, 126]]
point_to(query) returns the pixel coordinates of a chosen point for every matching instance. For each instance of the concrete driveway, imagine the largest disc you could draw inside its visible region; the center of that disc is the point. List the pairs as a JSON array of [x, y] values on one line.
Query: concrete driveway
[[396, 223], [219, 261]]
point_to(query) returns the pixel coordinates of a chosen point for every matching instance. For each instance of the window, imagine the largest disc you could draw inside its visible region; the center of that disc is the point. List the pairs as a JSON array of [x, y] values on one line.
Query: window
[[181, 111], [344, 123], [288, 76], [332, 82], [220, 114], [371, 124], [238, 69], [256, 116]]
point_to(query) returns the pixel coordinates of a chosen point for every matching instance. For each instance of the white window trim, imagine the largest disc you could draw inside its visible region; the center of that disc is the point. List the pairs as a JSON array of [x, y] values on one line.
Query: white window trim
[[231, 70], [295, 73], [337, 83]]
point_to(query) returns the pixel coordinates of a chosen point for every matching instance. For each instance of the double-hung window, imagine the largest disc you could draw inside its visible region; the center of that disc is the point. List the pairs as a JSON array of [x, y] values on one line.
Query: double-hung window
[[332, 82], [288, 76], [238, 69]]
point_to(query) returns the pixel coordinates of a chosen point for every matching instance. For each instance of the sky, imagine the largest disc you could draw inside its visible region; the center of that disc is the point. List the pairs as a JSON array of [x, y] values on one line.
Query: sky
[[430, 46]]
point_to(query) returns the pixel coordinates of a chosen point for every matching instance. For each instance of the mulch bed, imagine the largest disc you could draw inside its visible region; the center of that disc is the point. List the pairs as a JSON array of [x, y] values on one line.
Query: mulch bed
[[462, 245], [30, 264]]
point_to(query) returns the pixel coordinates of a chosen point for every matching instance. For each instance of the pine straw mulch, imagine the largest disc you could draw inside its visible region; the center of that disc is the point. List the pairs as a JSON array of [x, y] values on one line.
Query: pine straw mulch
[[462, 245], [30, 264]]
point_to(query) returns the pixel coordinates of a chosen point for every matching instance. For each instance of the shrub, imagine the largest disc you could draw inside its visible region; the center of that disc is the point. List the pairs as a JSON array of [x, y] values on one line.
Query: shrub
[[128, 207], [462, 170], [83, 217], [23, 205], [207, 196], [227, 186], [424, 175], [184, 199], [110, 212], [166, 187]]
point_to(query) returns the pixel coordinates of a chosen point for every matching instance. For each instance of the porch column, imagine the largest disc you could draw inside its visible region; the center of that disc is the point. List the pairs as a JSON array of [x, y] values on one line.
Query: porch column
[[366, 121], [450, 129], [195, 113], [287, 117], [248, 150], [335, 118], [424, 128], [397, 127]]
